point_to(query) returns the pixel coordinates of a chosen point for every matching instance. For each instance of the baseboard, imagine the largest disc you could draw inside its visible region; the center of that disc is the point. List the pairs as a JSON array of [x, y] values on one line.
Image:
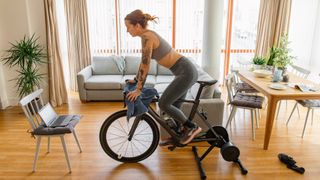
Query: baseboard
[[4, 104]]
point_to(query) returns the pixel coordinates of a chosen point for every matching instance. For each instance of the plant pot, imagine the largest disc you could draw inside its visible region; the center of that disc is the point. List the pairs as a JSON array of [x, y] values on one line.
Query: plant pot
[[257, 66]]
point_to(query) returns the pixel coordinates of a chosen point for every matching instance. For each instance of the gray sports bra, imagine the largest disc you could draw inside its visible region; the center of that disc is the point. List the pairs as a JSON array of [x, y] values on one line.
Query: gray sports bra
[[163, 49]]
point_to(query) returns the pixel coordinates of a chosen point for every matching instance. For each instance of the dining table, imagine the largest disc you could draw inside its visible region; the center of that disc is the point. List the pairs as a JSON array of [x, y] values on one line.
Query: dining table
[[276, 91]]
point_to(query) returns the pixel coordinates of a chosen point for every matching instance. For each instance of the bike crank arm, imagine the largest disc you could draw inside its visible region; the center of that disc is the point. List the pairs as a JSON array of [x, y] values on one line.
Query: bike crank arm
[[134, 127]]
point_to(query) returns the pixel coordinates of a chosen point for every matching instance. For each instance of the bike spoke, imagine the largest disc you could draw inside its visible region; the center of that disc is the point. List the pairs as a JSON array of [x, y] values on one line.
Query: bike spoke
[[116, 138], [125, 153], [135, 146], [120, 148], [143, 134], [119, 129], [141, 143], [118, 143], [141, 130], [132, 149], [122, 126]]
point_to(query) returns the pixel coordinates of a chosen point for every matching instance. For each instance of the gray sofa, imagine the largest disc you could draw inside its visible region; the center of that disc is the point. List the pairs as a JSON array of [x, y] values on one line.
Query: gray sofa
[[105, 78]]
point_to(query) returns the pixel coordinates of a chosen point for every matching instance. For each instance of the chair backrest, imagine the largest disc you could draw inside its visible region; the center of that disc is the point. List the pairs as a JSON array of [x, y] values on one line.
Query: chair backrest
[[299, 71], [230, 83], [31, 104], [240, 65]]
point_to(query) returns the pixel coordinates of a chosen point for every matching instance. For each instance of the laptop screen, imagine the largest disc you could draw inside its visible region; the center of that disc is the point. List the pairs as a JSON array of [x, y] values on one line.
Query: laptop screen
[[47, 114]]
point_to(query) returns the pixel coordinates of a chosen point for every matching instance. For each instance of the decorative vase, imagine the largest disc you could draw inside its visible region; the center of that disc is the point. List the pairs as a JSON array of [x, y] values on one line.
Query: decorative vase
[[285, 77], [277, 75]]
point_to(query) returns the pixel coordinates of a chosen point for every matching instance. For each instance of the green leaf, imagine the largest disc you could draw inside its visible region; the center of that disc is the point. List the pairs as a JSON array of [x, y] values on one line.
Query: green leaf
[[27, 54]]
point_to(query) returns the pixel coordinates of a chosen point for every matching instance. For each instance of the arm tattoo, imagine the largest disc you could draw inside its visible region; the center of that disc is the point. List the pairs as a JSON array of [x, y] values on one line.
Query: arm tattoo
[[142, 77], [146, 51], [145, 62], [146, 55]]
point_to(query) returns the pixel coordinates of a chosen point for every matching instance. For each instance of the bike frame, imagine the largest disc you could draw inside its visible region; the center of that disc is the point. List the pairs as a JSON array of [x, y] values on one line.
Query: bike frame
[[218, 141], [173, 134]]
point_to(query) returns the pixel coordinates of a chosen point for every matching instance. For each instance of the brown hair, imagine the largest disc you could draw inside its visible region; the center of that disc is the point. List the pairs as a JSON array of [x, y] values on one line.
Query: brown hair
[[138, 17]]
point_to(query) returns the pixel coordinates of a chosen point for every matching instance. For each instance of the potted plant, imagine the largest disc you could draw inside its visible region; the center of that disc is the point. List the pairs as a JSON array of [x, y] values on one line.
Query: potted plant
[[258, 62], [27, 54], [283, 59], [270, 59]]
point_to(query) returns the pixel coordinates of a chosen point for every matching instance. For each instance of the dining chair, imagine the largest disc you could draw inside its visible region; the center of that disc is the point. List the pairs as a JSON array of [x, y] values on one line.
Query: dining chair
[[300, 72], [241, 86], [311, 105], [31, 104], [244, 101]]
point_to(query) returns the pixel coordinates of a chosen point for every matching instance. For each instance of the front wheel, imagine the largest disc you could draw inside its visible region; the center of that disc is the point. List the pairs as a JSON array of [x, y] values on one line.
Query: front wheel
[[114, 135]]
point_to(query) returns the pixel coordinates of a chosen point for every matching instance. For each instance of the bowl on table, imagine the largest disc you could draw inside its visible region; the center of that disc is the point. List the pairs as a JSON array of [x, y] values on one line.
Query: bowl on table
[[262, 73]]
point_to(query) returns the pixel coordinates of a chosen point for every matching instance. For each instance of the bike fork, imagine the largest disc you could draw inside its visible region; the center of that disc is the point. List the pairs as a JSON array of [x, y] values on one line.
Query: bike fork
[[134, 127]]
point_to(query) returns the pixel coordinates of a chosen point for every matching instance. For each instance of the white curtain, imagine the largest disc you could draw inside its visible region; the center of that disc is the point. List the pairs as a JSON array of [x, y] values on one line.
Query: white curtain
[[79, 54], [274, 18], [57, 89]]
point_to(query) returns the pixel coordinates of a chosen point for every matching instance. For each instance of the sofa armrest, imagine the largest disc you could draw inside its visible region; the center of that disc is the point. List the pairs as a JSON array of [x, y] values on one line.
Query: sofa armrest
[[216, 93], [82, 77]]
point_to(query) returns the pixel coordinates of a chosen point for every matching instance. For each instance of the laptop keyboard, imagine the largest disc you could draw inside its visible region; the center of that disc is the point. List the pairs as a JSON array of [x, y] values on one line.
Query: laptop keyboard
[[62, 121]]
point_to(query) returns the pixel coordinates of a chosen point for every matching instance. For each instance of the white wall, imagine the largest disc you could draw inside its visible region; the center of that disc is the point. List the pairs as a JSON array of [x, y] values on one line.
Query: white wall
[[18, 18], [304, 34], [315, 52]]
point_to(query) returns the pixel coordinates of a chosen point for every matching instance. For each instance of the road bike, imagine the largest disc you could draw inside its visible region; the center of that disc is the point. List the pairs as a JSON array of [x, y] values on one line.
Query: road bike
[[136, 139]]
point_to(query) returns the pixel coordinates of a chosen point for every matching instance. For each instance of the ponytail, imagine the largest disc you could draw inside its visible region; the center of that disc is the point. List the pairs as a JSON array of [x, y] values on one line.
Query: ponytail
[[138, 17]]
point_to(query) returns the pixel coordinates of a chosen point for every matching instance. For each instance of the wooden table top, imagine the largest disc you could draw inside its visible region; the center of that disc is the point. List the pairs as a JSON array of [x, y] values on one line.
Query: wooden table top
[[262, 85]]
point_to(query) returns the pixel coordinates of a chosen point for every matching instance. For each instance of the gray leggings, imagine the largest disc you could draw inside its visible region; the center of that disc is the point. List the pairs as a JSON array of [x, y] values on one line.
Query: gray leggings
[[185, 76]]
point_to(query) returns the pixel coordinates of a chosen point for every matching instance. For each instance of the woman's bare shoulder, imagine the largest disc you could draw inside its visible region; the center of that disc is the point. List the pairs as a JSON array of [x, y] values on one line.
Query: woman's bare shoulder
[[150, 35]]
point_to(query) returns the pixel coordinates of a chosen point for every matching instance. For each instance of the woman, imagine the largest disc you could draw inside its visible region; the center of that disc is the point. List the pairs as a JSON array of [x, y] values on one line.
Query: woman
[[154, 47]]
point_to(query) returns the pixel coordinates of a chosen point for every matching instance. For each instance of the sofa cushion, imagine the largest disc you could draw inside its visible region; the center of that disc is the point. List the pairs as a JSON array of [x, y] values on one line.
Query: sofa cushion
[[102, 65], [150, 82], [161, 70], [164, 79], [132, 65], [104, 82], [207, 92], [161, 87]]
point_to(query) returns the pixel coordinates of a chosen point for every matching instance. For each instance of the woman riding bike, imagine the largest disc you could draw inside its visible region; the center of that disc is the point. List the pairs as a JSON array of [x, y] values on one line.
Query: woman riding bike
[[155, 47]]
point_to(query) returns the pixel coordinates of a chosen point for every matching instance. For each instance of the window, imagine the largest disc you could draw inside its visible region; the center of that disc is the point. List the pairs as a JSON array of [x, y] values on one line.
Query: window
[[108, 34], [243, 32], [189, 27], [102, 27], [160, 8]]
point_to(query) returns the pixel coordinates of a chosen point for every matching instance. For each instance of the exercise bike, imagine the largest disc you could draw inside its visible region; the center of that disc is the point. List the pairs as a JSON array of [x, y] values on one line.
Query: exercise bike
[[136, 139]]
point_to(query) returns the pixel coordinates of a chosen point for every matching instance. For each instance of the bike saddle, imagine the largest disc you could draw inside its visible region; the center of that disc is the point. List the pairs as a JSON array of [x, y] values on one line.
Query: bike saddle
[[207, 83]]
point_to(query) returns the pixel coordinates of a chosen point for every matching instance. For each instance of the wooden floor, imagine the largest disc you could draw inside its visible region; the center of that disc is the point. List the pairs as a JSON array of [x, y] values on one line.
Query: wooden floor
[[17, 150]]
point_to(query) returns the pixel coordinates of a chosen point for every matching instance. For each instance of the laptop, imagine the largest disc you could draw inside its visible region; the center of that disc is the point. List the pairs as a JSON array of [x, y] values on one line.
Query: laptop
[[52, 119]]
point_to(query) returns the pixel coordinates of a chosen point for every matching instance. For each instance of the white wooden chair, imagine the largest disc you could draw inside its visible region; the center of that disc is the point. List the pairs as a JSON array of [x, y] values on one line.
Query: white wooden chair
[[300, 72], [244, 101], [311, 105], [31, 104]]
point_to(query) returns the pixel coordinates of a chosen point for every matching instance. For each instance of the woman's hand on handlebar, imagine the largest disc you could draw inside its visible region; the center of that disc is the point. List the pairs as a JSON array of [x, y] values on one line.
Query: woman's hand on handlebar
[[131, 81], [133, 95]]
